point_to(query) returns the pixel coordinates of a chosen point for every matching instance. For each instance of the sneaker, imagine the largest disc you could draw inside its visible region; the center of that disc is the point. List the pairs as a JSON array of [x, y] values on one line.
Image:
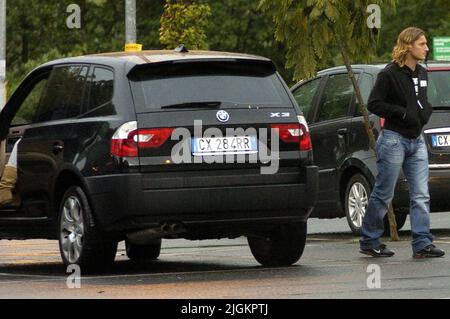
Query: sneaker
[[429, 251], [381, 251]]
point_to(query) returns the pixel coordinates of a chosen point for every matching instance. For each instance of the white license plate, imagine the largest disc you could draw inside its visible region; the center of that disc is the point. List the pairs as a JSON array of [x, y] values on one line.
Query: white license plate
[[440, 140], [224, 145]]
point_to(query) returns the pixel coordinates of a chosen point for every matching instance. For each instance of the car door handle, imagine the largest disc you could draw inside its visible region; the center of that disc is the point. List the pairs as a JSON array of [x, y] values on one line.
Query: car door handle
[[342, 131], [57, 147]]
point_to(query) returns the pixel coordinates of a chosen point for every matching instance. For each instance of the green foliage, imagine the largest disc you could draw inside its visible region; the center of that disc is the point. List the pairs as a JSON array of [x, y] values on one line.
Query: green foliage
[[310, 27], [184, 22], [433, 16], [238, 26], [37, 31]]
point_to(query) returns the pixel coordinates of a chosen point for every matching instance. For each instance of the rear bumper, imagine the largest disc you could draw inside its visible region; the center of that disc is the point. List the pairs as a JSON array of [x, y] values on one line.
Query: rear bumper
[[135, 201]]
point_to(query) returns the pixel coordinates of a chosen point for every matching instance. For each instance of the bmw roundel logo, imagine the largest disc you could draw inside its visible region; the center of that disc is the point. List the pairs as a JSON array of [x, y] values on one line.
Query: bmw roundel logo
[[222, 116]]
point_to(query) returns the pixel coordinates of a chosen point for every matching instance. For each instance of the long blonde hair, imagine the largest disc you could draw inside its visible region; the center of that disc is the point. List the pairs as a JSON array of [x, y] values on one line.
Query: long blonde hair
[[405, 38]]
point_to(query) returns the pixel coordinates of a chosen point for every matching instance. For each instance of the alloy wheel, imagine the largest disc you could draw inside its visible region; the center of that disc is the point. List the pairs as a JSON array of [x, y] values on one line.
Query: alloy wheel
[[357, 203], [72, 229]]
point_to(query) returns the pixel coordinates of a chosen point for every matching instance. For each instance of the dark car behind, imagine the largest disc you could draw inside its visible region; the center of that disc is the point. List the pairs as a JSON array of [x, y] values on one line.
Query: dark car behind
[[347, 166]]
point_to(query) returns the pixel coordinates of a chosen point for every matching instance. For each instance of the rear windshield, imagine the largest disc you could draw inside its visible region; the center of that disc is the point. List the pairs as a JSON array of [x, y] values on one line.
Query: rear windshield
[[232, 83], [439, 88]]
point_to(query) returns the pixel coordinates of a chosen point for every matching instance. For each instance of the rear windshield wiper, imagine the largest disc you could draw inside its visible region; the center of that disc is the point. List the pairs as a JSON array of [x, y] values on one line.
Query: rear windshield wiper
[[187, 105]]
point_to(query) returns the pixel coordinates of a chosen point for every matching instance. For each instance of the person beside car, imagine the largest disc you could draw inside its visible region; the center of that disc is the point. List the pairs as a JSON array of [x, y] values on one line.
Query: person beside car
[[400, 97], [9, 179]]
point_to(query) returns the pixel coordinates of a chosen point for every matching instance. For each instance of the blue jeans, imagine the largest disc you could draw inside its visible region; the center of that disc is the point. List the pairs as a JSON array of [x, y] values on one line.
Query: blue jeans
[[395, 152]]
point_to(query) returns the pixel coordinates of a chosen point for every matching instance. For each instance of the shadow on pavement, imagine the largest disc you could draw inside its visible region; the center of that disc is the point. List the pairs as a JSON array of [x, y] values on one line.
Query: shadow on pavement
[[125, 272], [168, 269], [123, 267]]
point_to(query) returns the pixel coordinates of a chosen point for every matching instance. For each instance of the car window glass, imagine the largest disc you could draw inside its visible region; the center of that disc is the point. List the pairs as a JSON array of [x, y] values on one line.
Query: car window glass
[[74, 109], [304, 95], [365, 86], [233, 83], [101, 86], [28, 108], [336, 98], [438, 88], [64, 94]]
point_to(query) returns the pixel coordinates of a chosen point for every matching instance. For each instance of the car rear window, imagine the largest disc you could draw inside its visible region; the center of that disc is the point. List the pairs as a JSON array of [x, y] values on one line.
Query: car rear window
[[232, 83], [439, 88]]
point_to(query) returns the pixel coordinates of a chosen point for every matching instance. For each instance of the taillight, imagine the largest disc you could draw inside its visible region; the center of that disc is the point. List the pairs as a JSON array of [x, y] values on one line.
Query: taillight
[[382, 120], [128, 139], [295, 133], [123, 143], [288, 133], [151, 138]]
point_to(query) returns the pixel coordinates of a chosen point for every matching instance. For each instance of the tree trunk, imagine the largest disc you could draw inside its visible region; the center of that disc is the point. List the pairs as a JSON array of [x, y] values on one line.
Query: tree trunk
[[363, 110]]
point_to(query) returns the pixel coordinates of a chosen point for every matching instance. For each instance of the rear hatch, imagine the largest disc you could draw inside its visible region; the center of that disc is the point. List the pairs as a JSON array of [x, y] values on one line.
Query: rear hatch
[[437, 131], [226, 114]]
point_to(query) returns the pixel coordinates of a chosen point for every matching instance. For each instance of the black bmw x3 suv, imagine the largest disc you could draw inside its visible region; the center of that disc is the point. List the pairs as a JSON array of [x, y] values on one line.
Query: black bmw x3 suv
[[347, 166], [159, 144]]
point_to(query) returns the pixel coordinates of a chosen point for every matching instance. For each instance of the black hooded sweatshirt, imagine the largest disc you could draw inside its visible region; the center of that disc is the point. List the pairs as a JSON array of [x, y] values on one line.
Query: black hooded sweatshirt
[[400, 97]]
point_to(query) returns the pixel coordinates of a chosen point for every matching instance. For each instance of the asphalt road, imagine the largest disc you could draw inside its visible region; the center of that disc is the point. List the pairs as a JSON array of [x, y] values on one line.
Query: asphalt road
[[331, 267]]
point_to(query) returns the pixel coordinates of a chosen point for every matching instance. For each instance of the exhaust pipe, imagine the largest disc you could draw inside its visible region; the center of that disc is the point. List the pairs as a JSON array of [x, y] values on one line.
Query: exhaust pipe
[[146, 236]]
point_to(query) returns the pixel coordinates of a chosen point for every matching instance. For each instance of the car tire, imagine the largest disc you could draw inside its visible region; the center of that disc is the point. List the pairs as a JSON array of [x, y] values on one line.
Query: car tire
[[141, 253], [80, 242], [283, 246], [356, 200]]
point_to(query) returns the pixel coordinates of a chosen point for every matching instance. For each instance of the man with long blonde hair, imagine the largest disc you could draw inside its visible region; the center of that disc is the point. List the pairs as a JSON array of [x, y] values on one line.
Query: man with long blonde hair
[[400, 97]]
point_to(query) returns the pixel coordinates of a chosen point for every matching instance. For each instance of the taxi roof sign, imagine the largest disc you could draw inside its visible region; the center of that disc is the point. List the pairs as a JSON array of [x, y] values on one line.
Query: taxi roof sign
[[133, 47]]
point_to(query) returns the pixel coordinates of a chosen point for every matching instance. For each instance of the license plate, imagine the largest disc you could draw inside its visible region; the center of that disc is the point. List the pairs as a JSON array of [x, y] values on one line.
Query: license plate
[[440, 140], [224, 145]]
